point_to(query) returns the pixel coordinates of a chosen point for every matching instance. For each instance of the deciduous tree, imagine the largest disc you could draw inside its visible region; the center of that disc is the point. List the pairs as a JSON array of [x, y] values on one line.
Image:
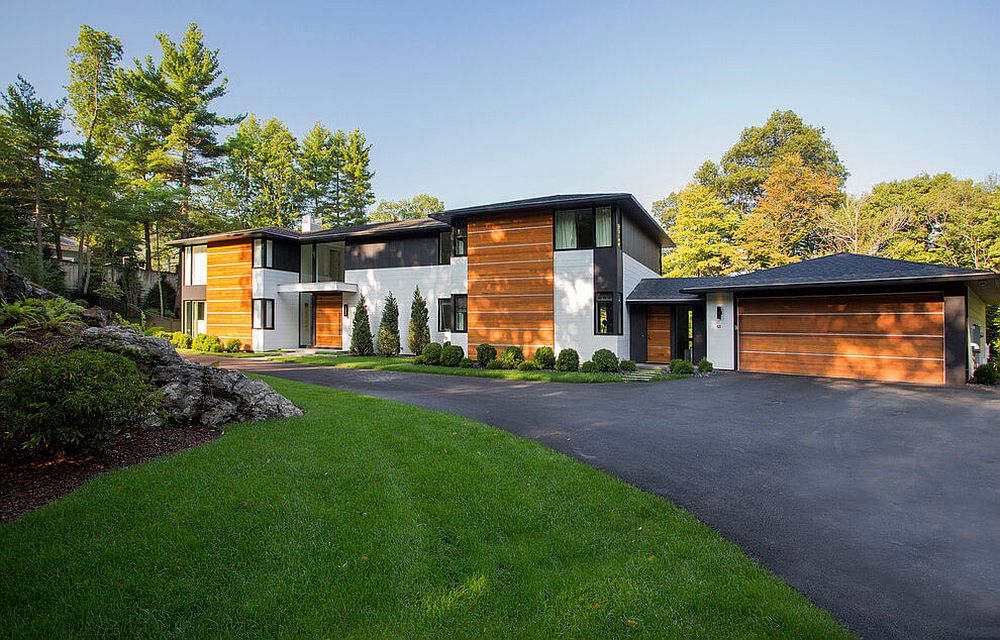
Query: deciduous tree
[[419, 206], [703, 230]]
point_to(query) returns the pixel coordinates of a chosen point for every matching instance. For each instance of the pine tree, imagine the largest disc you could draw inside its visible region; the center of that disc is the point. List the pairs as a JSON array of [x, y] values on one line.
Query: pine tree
[[357, 189], [361, 332], [387, 343], [420, 331]]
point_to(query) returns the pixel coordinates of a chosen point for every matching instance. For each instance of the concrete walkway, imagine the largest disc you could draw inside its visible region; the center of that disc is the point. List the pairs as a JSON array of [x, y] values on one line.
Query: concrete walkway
[[880, 502]]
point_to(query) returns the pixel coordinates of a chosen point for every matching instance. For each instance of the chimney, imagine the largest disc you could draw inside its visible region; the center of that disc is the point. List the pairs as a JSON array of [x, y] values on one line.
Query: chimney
[[311, 222]]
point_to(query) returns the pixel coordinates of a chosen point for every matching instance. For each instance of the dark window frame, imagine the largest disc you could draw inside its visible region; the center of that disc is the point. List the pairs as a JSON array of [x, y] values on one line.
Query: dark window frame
[[444, 246], [445, 316], [615, 307], [460, 240], [591, 239], [455, 311], [266, 309], [266, 253]]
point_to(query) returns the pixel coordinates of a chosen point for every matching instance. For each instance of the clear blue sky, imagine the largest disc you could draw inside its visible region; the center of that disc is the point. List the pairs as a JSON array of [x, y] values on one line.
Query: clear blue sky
[[478, 102]]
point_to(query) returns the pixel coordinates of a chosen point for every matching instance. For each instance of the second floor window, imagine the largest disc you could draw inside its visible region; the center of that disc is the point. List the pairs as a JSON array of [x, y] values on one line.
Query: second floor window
[[444, 247], [263, 253], [584, 228], [196, 265], [461, 240]]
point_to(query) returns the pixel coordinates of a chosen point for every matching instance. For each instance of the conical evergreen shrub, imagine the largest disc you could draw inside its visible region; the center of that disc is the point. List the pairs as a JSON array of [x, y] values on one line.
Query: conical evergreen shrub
[[361, 331], [387, 343], [420, 331]]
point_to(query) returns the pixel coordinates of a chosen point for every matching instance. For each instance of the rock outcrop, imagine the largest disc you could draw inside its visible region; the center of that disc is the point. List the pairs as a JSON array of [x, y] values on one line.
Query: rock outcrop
[[14, 286], [192, 394]]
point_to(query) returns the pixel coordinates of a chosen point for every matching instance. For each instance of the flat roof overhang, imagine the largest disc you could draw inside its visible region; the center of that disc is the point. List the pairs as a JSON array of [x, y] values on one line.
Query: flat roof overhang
[[986, 285]]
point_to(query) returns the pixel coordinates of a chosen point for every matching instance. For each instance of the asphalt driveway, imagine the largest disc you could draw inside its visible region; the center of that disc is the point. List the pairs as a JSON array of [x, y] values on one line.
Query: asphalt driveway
[[880, 502]]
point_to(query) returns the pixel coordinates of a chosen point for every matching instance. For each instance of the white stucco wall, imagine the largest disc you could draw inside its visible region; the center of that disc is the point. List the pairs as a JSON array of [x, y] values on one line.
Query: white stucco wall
[[436, 281], [719, 335], [573, 273], [285, 335], [976, 314]]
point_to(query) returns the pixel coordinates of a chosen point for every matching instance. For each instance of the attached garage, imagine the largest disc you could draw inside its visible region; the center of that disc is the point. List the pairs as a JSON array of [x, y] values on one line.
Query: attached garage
[[878, 336]]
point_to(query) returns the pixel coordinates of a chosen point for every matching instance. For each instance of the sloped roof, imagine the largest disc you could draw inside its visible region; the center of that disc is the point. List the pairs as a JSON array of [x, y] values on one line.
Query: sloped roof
[[369, 230], [669, 289], [843, 268]]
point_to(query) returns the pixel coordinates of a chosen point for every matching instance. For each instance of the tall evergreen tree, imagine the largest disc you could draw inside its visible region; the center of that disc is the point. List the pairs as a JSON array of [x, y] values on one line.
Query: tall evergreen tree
[[321, 173], [34, 130], [357, 182], [361, 330], [93, 88], [181, 89], [419, 329], [387, 343]]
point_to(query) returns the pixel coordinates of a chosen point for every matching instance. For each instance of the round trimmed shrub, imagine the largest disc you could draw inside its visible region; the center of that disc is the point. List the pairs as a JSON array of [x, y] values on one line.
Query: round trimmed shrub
[[432, 353], [466, 363], [485, 354], [589, 367], [451, 355], [233, 345], [528, 365], [568, 360], [545, 358], [680, 366], [705, 366], [606, 360], [181, 340], [58, 401], [988, 373], [627, 365], [511, 357], [494, 364]]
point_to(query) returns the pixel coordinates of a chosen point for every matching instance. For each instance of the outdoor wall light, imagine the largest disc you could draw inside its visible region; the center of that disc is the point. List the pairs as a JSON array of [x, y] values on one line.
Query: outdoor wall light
[[346, 310], [718, 313]]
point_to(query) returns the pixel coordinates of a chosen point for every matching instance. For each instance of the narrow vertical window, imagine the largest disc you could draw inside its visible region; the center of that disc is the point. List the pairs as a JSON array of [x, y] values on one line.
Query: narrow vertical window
[[461, 240], [269, 254], [263, 313], [461, 307], [258, 252], [444, 314], [444, 247], [602, 227], [605, 322]]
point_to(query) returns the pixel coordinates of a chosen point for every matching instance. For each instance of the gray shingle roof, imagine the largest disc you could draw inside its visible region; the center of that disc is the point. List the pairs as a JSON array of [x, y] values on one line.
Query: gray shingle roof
[[669, 289], [842, 268]]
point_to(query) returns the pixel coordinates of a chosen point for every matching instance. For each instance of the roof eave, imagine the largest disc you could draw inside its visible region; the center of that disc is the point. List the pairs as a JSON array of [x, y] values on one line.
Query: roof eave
[[957, 277]]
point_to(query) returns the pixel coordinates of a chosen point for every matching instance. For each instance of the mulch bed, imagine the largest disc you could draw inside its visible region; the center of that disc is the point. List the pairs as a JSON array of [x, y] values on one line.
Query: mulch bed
[[29, 484]]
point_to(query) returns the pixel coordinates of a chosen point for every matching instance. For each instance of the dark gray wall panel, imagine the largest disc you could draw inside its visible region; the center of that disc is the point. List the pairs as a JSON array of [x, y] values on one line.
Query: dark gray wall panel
[[640, 245], [395, 252]]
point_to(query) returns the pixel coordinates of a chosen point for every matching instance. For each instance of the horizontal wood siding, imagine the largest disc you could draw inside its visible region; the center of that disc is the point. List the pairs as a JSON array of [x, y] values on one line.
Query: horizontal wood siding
[[658, 334], [511, 282], [329, 320], [891, 337], [228, 292]]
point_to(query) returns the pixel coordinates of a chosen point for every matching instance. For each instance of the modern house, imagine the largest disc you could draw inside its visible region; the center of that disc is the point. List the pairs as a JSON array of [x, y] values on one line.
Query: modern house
[[583, 271]]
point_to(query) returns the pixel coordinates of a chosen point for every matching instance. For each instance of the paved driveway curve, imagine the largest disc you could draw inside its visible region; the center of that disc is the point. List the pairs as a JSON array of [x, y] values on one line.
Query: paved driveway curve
[[880, 502]]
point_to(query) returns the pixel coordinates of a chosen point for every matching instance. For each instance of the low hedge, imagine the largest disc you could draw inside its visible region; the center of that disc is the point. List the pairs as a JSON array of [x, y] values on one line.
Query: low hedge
[[545, 358], [606, 360], [627, 365], [680, 366], [511, 357], [451, 355], [568, 360], [589, 367], [485, 354], [432, 353]]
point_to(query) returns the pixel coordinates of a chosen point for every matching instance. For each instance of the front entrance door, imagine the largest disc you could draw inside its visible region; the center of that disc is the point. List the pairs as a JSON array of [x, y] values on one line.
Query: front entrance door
[[658, 334], [329, 320]]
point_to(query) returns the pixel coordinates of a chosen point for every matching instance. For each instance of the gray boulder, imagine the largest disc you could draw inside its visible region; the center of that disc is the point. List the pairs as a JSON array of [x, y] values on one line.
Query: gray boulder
[[14, 286], [193, 395]]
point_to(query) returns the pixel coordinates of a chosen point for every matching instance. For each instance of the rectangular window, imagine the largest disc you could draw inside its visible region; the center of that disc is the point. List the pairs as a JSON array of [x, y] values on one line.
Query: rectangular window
[[575, 229], [444, 247], [461, 243], [602, 227], [196, 265], [460, 304], [329, 261], [444, 314], [263, 253], [607, 314], [307, 264], [263, 313], [193, 317]]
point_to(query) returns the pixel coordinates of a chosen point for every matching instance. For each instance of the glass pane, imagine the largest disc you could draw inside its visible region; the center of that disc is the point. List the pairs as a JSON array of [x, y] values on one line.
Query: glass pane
[[257, 314], [307, 272], [585, 229], [444, 314], [461, 313], [460, 240], [305, 320], [565, 230], [199, 264], [258, 253], [269, 254], [605, 314], [602, 227], [330, 262], [444, 248]]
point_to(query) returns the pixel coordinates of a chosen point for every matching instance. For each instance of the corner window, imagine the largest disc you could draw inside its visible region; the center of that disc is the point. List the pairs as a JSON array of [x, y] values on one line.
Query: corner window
[[577, 229], [460, 305], [263, 253], [602, 227], [263, 313], [444, 247], [461, 241], [196, 265], [607, 314], [444, 314]]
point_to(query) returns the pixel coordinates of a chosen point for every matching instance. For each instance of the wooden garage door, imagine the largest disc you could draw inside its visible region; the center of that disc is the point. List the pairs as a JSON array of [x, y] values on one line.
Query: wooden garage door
[[329, 320], [895, 337], [658, 334]]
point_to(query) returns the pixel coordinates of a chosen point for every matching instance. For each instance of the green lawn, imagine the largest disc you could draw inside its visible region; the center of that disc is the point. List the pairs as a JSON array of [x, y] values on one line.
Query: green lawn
[[406, 364], [372, 519]]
